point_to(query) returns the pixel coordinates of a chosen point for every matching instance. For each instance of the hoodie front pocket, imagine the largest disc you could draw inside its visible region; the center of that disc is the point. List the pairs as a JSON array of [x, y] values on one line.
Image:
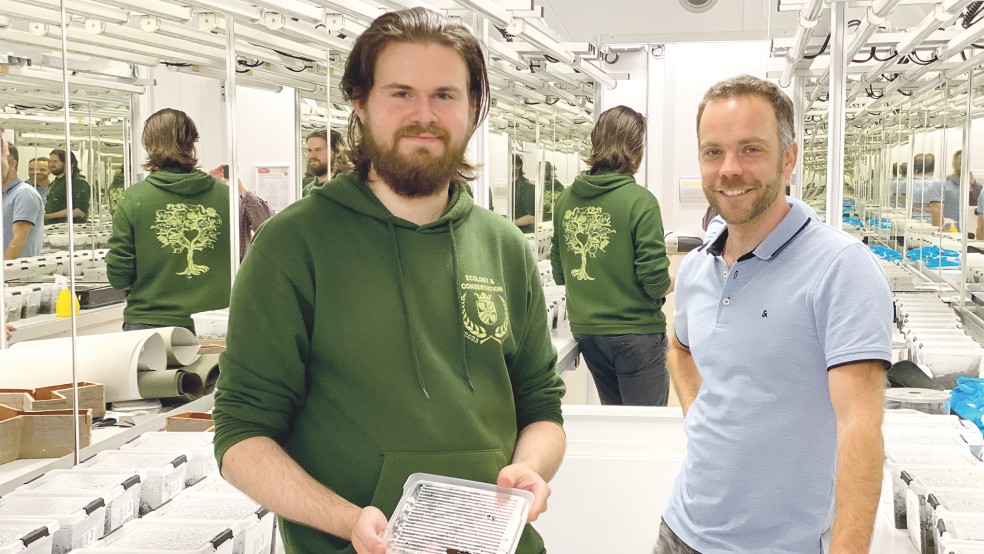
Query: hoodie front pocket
[[476, 465]]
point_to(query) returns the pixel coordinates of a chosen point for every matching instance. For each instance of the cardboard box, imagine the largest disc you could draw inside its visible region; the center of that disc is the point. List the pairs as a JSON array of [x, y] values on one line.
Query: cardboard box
[[189, 421], [92, 396], [46, 434]]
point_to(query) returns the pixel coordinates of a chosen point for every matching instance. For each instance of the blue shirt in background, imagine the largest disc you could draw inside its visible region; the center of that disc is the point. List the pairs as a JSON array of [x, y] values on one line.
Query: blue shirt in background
[[21, 202], [921, 196], [43, 191], [947, 192], [761, 434]]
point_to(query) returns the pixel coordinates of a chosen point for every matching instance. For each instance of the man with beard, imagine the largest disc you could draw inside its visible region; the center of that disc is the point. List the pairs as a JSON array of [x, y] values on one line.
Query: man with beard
[[56, 204], [38, 171], [401, 329], [784, 446], [318, 157]]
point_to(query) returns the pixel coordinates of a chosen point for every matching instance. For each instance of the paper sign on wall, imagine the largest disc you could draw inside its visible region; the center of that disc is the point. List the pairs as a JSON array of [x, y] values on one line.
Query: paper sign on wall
[[273, 185], [691, 190]]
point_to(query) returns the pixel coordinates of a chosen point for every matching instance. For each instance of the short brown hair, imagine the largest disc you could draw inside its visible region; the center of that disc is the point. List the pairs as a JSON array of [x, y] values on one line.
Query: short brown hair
[[618, 141], [746, 85], [169, 137], [420, 26], [40, 159]]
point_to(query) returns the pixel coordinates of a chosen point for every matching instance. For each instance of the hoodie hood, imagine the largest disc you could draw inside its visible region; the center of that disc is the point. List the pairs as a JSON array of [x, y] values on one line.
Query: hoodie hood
[[348, 190], [185, 183], [590, 185]]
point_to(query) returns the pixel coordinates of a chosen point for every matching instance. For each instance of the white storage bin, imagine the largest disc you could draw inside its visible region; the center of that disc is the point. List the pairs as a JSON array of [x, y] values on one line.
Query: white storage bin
[[921, 482], [911, 458], [957, 531], [929, 401], [165, 473], [896, 436], [120, 488], [27, 536], [941, 501], [216, 485], [211, 325], [81, 518], [197, 447], [159, 536], [251, 523]]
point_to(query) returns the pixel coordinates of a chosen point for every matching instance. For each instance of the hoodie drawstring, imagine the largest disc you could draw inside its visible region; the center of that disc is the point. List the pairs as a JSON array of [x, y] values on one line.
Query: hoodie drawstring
[[406, 310], [461, 307]]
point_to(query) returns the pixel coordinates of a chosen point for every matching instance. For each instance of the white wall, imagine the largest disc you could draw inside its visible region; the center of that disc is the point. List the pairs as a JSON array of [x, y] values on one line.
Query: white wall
[[265, 134]]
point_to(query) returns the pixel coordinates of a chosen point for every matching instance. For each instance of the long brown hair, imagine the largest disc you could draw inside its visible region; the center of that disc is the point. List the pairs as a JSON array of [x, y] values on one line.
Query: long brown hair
[[618, 141], [415, 25], [169, 137]]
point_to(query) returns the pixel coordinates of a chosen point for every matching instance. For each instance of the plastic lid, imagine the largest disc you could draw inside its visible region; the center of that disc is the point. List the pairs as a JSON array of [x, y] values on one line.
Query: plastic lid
[[134, 459], [171, 440], [161, 536], [76, 481], [66, 509], [25, 532], [917, 395], [205, 507]]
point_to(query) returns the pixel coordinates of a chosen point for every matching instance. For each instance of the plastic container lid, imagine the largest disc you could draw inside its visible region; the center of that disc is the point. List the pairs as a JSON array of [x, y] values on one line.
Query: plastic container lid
[[24, 532], [211, 506], [163, 536], [216, 486], [933, 477], [957, 499], [909, 418], [66, 510], [440, 514], [82, 480], [134, 459], [962, 526], [171, 440], [917, 396]]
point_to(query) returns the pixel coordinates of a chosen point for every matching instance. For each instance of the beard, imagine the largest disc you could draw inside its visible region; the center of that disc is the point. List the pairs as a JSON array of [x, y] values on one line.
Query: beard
[[419, 173], [317, 168], [769, 192]]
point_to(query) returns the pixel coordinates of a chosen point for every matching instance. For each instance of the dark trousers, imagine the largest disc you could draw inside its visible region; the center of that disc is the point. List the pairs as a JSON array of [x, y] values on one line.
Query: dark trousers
[[627, 369], [670, 543], [142, 326]]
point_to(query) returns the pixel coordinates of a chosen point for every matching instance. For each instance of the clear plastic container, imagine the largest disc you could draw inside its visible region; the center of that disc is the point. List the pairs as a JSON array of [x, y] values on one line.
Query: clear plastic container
[[197, 447], [924, 400], [216, 485], [956, 531], [120, 488], [211, 325], [898, 459], [81, 518], [915, 434], [165, 473], [160, 536], [941, 501], [914, 419], [441, 514], [252, 524], [27, 536]]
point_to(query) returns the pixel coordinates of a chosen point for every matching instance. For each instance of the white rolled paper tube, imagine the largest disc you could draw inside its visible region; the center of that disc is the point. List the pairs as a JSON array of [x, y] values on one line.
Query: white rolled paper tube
[[181, 344]]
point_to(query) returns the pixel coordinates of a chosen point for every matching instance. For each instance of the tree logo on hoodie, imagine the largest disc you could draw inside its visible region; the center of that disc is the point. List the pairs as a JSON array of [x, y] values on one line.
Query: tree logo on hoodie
[[586, 231], [188, 228]]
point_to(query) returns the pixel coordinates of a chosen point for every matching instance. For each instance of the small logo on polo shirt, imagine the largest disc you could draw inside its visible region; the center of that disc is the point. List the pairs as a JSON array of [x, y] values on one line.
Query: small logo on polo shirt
[[765, 313]]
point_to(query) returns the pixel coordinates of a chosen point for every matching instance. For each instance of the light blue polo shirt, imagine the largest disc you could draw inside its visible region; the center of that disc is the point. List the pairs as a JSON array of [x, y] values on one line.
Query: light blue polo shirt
[[21, 202], [761, 435], [921, 196], [947, 192]]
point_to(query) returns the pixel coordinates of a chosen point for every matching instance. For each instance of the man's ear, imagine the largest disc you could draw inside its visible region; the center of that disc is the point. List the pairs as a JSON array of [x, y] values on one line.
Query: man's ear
[[359, 108]]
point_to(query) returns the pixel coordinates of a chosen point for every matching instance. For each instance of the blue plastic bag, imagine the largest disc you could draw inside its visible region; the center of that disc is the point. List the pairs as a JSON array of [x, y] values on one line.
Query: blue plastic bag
[[967, 399], [885, 253]]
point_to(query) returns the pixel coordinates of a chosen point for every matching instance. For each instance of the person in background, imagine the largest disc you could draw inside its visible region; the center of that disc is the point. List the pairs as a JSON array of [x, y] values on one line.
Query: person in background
[[400, 329], [170, 241], [253, 211], [782, 339], [56, 203], [608, 248], [524, 198], [23, 212], [38, 171], [319, 157], [551, 190], [944, 197], [923, 166], [115, 190]]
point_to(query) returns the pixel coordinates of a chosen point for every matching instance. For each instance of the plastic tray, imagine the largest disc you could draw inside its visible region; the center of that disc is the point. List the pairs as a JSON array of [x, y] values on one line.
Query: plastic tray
[[161, 536], [437, 515], [911, 458], [27, 536], [959, 531], [165, 473], [81, 518], [197, 447], [121, 489]]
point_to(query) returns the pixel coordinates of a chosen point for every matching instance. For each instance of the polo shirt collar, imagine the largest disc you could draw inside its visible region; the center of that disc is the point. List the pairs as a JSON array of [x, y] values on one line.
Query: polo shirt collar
[[796, 218], [14, 183]]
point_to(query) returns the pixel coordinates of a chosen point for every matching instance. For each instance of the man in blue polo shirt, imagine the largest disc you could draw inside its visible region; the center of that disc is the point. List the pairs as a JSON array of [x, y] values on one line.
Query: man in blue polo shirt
[[23, 212], [782, 339]]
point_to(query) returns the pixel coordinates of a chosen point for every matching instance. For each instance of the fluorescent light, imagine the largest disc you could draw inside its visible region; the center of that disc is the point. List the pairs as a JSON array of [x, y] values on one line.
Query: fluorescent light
[[305, 31], [264, 38], [221, 76], [130, 45], [501, 50], [353, 8], [596, 73], [46, 76], [548, 45], [497, 14], [294, 8], [234, 8], [158, 8], [85, 8], [87, 49]]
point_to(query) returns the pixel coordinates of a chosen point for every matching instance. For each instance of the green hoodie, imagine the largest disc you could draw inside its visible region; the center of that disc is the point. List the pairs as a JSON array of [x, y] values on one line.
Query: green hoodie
[[170, 244], [57, 199], [608, 249], [114, 192], [372, 348]]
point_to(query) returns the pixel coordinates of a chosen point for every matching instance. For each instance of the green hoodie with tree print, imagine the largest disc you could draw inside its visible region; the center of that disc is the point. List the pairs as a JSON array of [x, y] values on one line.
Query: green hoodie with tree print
[[372, 348], [170, 244], [608, 248]]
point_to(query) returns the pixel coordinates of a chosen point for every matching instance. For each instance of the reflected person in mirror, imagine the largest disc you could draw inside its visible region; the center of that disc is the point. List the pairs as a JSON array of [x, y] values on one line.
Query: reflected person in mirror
[[253, 210], [38, 171], [319, 157], [23, 212], [385, 325], [608, 249], [170, 241], [56, 202], [524, 198], [782, 339]]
